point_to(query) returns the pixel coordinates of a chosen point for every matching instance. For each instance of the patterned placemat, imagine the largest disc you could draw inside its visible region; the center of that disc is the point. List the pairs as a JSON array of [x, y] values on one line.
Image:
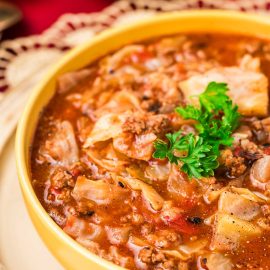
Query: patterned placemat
[[24, 61]]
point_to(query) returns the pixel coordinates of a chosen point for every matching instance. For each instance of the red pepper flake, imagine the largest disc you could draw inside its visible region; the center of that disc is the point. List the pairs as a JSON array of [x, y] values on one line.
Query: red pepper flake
[[237, 151]]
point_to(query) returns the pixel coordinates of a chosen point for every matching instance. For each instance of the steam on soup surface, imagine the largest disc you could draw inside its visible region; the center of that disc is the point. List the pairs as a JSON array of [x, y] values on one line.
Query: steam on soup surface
[[108, 173]]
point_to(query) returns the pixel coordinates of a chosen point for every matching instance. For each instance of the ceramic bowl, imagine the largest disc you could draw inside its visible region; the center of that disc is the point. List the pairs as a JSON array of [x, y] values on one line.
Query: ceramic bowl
[[71, 254]]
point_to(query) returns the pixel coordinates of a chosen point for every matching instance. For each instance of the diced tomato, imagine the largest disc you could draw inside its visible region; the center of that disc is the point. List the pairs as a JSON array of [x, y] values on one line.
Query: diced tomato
[[266, 150], [180, 224], [237, 151], [55, 191], [140, 57], [70, 221], [75, 172]]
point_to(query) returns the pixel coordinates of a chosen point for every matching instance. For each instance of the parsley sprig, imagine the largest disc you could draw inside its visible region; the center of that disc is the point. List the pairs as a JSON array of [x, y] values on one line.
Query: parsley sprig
[[216, 118], [197, 156]]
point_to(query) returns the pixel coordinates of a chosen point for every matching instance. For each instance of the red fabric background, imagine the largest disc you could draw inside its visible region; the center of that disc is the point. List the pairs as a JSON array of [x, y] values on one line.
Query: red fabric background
[[40, 14]]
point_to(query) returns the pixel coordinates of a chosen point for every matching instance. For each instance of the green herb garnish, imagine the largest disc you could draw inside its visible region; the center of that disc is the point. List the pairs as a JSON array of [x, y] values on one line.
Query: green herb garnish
[[196, 155], [216, 118]]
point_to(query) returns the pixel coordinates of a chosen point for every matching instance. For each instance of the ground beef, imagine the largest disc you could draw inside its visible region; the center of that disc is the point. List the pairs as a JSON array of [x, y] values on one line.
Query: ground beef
[[164, 239], [167, 265], [85, 208], [235, 166], [133, 218], [151, 105], [157, 258], [250, 150], [158, 124], [61, 178], [137, 219], [135, 125], [266, 210], [57, 195], [146, 229], [145, 255], [65, 195], [139, 124]]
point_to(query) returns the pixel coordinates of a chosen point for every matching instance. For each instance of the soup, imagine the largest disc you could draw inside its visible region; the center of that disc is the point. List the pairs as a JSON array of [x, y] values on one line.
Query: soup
[[157, 156]]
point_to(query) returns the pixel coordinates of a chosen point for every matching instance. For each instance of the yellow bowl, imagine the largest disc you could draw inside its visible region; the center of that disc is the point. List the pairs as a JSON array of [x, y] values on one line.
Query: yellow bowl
[[65, 249]]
